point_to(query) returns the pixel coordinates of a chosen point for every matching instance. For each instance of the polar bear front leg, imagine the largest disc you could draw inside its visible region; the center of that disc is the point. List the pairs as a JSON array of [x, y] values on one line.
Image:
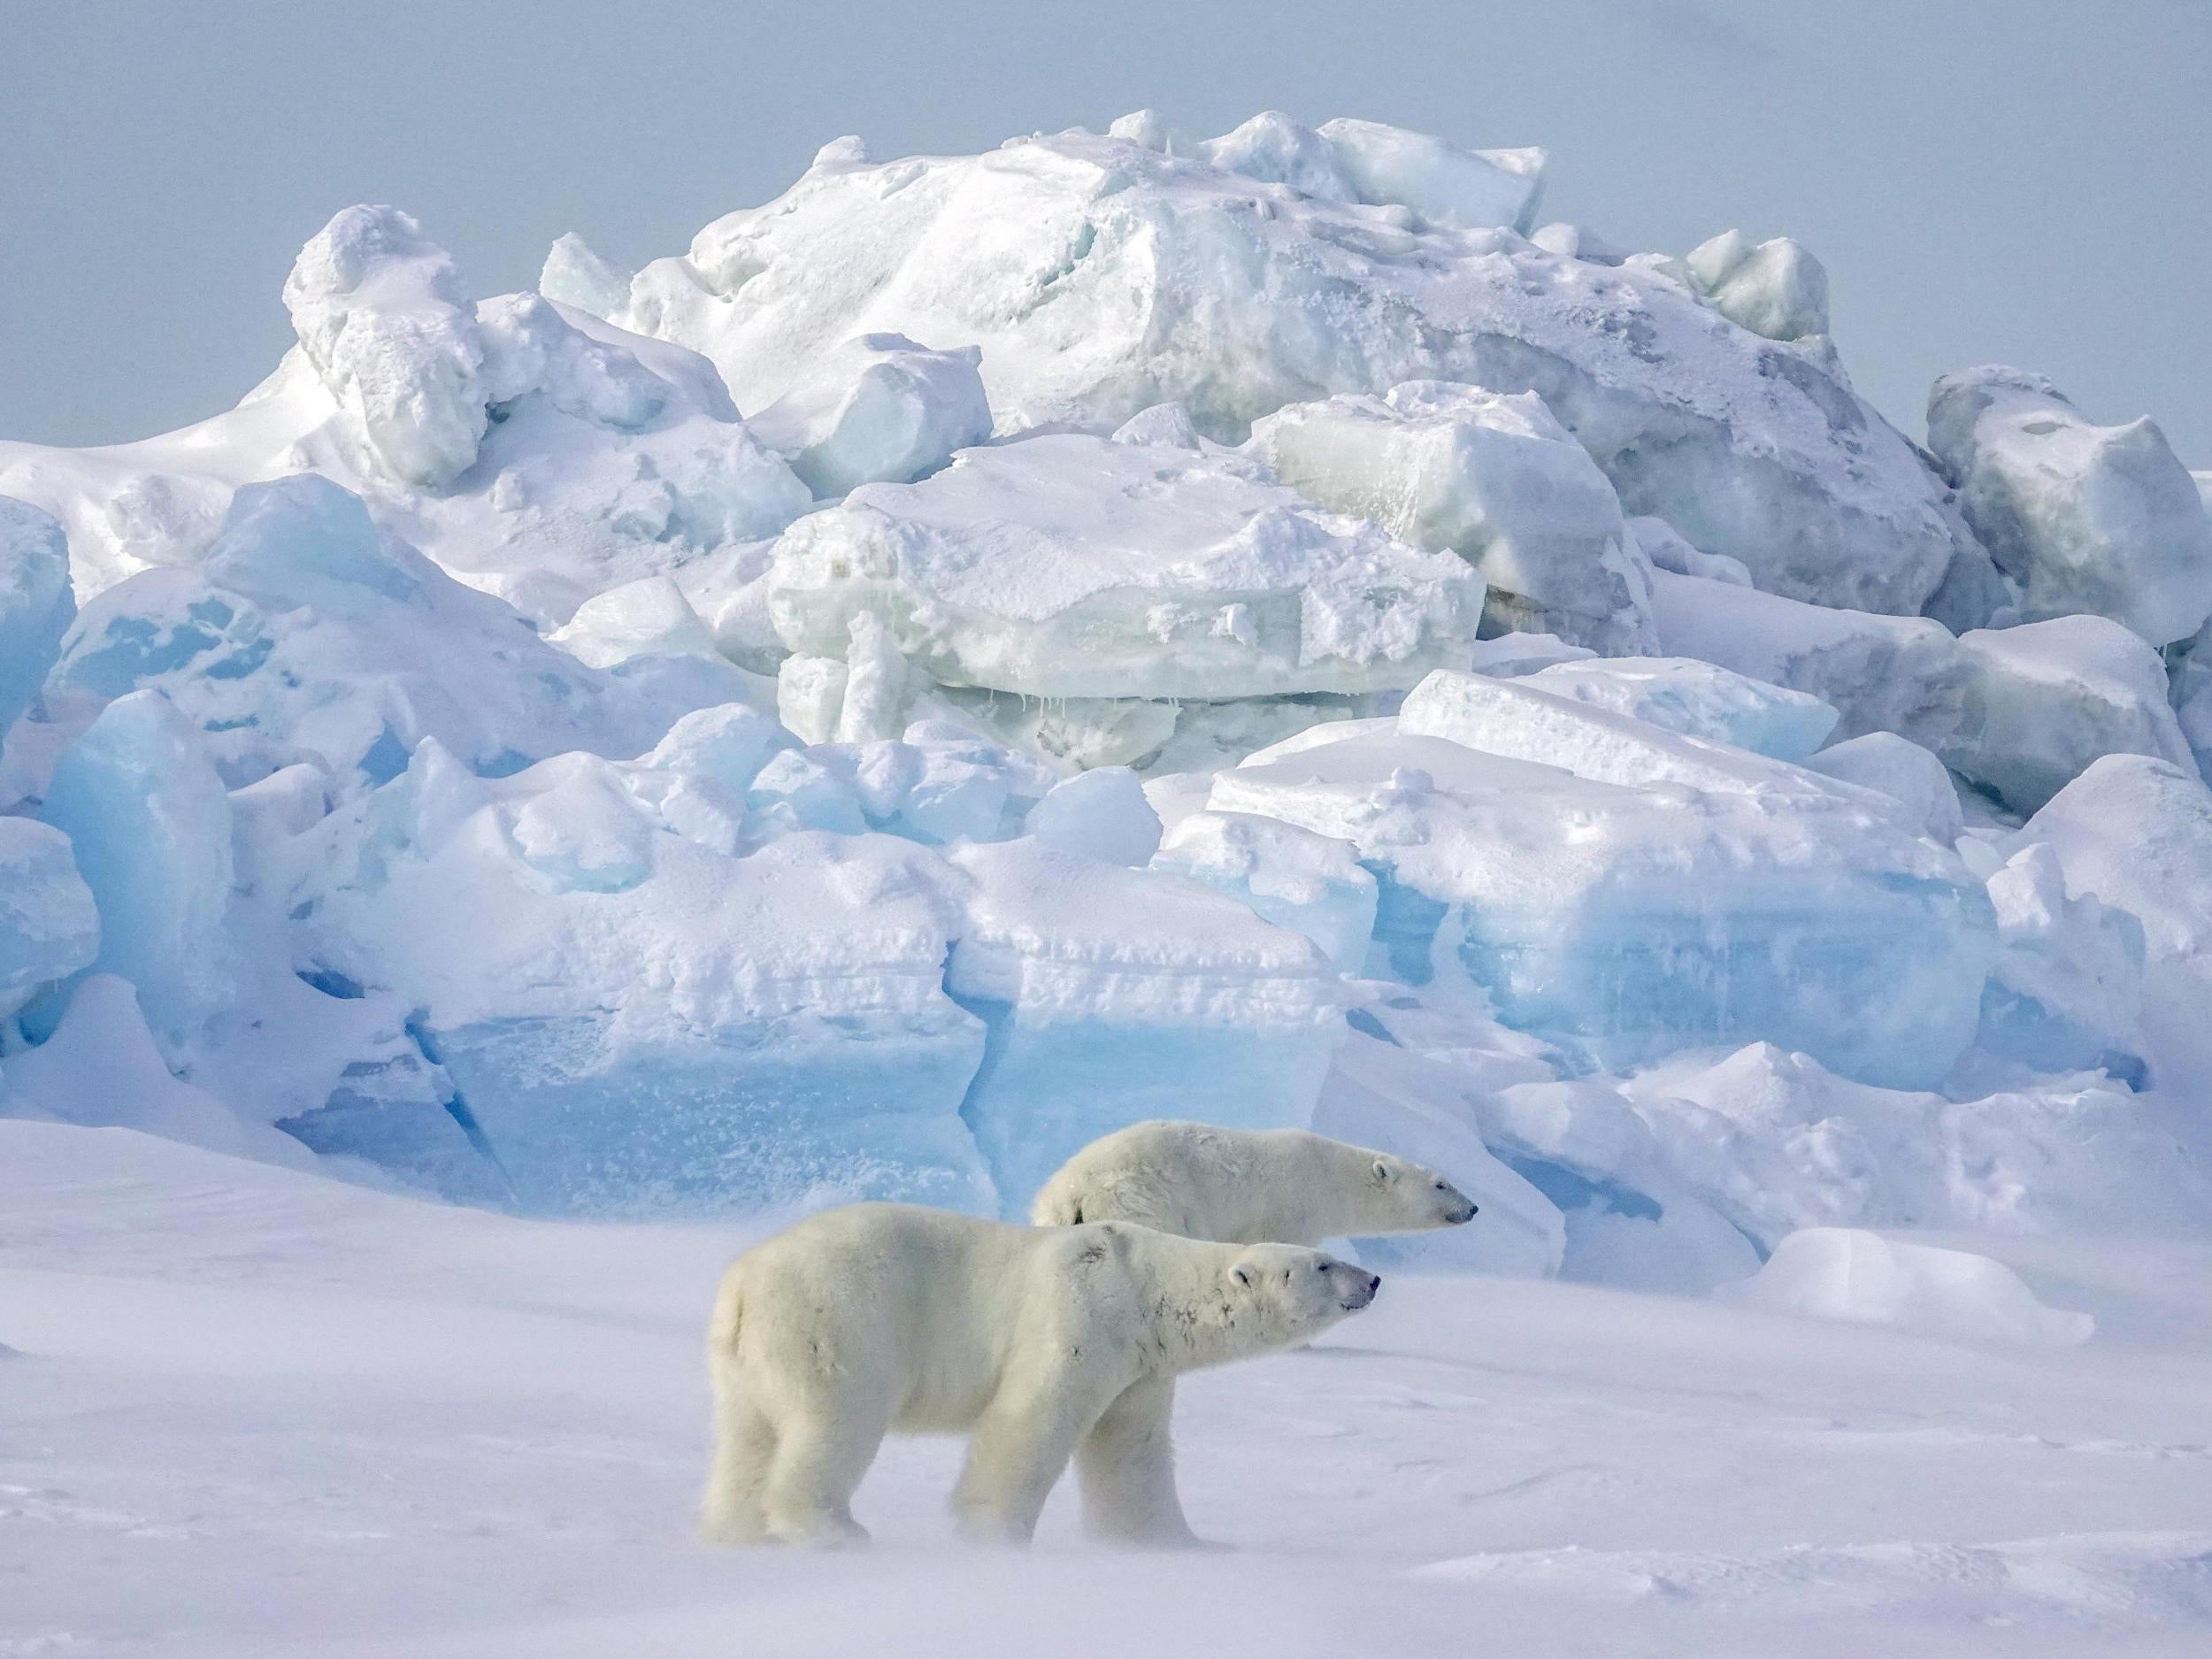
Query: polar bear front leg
[[1126, 1464], [1020, 1447]]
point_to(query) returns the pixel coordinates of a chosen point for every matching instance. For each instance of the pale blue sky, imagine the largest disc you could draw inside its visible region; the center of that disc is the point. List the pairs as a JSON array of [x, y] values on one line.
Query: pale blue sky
[[2018, 180]]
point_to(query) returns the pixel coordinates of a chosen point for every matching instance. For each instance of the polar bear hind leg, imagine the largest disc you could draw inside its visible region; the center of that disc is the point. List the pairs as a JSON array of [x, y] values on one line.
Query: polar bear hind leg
[[1126, 1464], [824, 1446], [744, 1446]]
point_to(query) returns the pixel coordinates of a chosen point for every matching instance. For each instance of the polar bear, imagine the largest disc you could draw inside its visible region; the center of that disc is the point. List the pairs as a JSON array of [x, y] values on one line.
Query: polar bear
[[1247, 1185], [1041, 1344]]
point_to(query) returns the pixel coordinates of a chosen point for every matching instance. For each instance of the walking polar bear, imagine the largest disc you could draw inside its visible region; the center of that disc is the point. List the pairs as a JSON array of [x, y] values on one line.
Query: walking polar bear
[[1042, 1343], [1247, 1185]]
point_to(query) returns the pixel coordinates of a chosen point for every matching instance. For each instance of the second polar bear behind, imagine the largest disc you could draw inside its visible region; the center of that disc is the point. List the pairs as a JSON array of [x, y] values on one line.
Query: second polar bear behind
[[1246, 1187]]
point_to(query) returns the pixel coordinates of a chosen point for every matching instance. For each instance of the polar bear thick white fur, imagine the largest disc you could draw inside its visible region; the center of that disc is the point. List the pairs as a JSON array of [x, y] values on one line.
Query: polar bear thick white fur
[[1247, 1185], [1043, 1344]]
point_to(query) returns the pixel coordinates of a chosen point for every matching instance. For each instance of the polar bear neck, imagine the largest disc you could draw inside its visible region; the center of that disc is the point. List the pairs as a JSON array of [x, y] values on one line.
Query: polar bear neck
[[1197, 1318]]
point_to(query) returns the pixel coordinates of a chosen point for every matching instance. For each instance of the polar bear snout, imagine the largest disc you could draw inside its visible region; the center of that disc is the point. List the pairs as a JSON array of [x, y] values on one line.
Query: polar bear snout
[[1453, 1208], [1355, 1287]]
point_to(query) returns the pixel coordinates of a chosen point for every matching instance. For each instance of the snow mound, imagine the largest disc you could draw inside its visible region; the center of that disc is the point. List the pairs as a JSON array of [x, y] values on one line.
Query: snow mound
[[2086, 518], [1902, 770], [1075, 566], [1494, 479], [1101, 275], [1863, 1279]]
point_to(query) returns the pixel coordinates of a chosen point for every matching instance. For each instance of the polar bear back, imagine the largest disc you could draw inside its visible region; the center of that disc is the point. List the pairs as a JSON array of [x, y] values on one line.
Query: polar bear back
[[1233, 1185], [1247, 1185]]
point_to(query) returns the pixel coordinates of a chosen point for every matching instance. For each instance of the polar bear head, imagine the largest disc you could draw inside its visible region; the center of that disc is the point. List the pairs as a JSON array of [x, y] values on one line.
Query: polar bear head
[[1284, 1294], [1405, 1197]]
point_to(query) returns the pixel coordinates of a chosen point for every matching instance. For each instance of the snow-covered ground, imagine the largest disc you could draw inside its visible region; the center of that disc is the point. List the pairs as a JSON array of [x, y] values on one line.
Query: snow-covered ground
[[253, 1411]]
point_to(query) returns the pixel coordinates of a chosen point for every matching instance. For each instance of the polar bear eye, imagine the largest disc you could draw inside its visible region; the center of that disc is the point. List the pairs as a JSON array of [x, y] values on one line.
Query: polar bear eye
[[1382, 1171]]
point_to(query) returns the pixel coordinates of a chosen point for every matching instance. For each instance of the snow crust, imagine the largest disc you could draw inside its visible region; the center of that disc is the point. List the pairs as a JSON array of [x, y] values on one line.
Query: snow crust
[[1842, 1273]]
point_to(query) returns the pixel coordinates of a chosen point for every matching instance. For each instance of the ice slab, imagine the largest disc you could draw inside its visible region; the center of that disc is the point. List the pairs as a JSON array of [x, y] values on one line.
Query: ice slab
[[49, 924], [1776, 289], [1902, 770], [1101, 275], [151, 825], [1494, 479], [1701, 700], [1312, 884], [2066, 990], [37, 603], [1628, 919], [635, 1019], [2087, 519], [2043, 699], [1865, 1279], [2136, 833], [307, 633], [1074, 566], [877, 408], [1112, 995]]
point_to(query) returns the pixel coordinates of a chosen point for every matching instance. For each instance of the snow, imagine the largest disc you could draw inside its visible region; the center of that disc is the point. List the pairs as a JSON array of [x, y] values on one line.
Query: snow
[[1495, 479], [1074, 566], [1312, 884], [2089, 519], [266, 1414], [1099, 814], [1863, 1279], [1103, 275]]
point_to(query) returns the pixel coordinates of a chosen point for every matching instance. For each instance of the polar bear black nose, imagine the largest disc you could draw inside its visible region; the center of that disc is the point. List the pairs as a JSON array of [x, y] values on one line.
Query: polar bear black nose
[[1374, 1283]]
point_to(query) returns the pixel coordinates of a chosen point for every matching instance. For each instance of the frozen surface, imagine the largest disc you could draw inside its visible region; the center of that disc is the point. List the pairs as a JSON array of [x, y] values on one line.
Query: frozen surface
[[1313, 884], [1863, 1279], [261, 1414], [2066, 990], [1101, 275], [1495, 479], [1076, 566], [2086, 518]]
